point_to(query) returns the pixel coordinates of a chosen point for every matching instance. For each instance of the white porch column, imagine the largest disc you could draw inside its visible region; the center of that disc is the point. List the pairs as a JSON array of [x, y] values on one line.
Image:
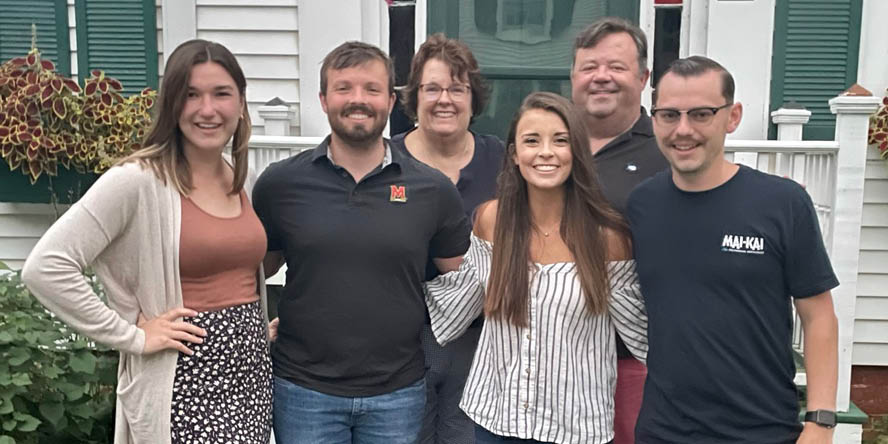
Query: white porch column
[[852, 110], [790, 120], [277, 116], [179, 24]]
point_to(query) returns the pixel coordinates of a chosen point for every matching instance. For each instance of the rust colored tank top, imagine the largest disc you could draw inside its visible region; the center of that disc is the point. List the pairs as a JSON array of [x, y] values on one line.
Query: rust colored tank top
[[219, 257]]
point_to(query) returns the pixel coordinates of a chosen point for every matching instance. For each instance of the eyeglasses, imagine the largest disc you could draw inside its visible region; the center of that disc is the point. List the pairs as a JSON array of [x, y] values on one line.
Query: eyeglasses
[[699, 116], [432, 91]]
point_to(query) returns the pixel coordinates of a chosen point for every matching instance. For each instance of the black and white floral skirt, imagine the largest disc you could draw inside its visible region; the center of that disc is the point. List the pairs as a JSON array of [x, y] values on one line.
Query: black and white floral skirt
[[223, 393]]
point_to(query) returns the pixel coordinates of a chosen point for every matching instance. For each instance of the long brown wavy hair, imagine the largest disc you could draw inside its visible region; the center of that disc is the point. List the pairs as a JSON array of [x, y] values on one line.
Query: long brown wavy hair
[[163, 146], [586, 214]]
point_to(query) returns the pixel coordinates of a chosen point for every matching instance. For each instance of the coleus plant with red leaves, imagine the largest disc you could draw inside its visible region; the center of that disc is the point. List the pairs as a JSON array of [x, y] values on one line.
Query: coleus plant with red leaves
[[47, 119], [878, 129]]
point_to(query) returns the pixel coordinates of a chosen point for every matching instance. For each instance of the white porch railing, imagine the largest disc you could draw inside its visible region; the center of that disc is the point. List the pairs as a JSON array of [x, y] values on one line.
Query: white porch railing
[[266, 149], [810, 163]]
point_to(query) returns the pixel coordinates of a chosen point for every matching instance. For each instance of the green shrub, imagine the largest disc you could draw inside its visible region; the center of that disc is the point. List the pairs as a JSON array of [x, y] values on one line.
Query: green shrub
[[55, 386]]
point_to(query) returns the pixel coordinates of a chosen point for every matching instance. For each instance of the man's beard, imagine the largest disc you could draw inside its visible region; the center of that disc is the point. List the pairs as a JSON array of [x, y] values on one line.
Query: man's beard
[[360, 135]]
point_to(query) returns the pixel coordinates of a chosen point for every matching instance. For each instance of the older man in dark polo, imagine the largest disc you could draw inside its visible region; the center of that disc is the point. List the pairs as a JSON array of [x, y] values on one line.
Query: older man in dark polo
[[608, 75]]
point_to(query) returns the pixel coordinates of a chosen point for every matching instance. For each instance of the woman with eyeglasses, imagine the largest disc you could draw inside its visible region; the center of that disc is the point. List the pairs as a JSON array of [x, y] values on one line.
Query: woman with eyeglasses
[[550, 266], [444, 90]]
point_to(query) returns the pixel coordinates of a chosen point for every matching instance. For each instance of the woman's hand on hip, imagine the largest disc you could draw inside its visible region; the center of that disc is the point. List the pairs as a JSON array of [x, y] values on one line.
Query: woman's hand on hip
[[164, 332]]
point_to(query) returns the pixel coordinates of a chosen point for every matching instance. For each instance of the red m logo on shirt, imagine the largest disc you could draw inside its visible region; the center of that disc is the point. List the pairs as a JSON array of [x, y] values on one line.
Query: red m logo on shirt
[[399, 194]]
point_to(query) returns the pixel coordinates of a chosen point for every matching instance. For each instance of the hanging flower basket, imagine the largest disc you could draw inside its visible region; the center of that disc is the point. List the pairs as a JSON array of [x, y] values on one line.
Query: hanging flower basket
[[878, 129], [47, 120]]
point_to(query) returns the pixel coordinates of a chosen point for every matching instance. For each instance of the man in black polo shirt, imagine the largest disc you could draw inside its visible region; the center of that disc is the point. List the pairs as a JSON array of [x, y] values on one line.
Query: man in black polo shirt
[[608, 74], [355, 222]]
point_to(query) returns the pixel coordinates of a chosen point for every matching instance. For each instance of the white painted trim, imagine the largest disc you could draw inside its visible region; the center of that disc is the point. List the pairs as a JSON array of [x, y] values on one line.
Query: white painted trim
[[790, 122], [684, 35], [765, 86], [179, 24], [699, 33], [258, 141], [420, 24], [851, 128], [647, 22], [784, 115], [872, 68], [854, 105], [848, 434], [29, 208], [375, 24], [779, 146], [694, 28]]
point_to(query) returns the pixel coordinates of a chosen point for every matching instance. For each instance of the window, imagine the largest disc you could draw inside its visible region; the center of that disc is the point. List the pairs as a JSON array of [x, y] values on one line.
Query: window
[[527, 21], [667, 37], [521, 45]]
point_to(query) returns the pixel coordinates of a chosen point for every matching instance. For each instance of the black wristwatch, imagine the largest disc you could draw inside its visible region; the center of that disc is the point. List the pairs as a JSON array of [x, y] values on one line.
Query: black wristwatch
[[823, 418]]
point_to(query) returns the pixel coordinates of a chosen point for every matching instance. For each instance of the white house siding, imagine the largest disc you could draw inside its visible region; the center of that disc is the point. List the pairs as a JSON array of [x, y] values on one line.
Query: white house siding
[[871, 311], [21, 225], [329, 23], [264, 37]]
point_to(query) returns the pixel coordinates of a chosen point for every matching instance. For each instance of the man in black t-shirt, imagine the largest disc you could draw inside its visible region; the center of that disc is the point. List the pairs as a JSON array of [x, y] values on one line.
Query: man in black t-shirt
[[722, 251], [608, 74], [356, 222]]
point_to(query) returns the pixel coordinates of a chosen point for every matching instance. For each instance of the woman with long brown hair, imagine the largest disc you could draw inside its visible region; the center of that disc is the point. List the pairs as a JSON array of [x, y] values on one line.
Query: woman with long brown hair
[[173, 238], [550, 267]]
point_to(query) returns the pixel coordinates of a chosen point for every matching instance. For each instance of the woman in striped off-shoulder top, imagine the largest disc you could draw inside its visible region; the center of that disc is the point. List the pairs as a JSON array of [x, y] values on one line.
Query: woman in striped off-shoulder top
[[550, 267]]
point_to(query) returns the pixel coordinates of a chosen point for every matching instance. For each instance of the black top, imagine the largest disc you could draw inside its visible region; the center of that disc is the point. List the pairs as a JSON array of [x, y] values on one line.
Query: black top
[[628, 160], [477, 180], [353, 306], [718, 269], [622, 164]]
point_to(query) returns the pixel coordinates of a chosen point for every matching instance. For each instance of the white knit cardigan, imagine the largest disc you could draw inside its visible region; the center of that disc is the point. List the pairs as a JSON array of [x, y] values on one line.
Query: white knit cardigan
[[126, 227]]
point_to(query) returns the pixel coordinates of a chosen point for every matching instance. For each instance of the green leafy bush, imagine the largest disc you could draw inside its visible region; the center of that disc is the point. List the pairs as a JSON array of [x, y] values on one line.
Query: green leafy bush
[[55, 386]]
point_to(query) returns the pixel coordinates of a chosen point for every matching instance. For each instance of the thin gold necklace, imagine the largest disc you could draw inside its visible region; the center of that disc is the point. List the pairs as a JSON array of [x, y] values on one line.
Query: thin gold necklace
[[546, 233]]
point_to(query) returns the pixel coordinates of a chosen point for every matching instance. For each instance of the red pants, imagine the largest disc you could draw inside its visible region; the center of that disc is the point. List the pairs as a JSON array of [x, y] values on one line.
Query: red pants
[[627, 399]]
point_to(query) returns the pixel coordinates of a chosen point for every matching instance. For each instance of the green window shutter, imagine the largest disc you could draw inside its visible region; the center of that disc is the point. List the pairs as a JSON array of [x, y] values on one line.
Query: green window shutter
[[816, 45], [120, 38], [51, 18]]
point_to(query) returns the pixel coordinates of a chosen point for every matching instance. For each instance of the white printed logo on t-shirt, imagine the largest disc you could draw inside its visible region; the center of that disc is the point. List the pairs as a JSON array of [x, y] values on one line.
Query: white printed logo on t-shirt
[[735, 243]]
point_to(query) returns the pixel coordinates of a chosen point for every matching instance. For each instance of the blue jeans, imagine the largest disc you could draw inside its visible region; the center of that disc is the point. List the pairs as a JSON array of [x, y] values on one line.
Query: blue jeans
[[303, 416]]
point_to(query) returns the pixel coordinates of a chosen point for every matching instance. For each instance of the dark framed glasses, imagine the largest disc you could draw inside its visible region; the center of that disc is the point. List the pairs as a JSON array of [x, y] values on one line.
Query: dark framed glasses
[[699, 116]]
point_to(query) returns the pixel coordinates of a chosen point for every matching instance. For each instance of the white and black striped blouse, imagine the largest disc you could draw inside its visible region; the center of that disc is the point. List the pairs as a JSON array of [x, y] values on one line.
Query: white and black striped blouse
[[554, 380]]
